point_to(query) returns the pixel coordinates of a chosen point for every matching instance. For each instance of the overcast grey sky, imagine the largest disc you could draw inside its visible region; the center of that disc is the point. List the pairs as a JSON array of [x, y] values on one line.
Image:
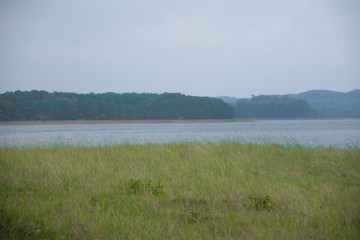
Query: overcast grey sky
[[196, 47]]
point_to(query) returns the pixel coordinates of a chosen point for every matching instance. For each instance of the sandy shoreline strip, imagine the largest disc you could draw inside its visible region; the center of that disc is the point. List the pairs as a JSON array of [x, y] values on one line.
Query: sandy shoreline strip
[[81, 122]]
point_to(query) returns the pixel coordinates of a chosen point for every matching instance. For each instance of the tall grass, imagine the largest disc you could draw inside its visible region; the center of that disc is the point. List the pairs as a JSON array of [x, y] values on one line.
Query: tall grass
[[184, 190]]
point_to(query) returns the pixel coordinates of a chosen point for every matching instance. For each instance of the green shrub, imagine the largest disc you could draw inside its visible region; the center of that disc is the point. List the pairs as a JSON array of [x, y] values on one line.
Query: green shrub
[[263, 203], [143, 186]]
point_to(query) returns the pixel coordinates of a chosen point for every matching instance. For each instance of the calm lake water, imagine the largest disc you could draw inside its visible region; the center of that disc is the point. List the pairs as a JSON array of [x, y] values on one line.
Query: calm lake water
[[339, 133]]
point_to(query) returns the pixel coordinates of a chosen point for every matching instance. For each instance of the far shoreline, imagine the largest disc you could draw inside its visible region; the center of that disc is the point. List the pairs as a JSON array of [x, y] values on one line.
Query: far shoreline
[[158, 121], [84, 122]]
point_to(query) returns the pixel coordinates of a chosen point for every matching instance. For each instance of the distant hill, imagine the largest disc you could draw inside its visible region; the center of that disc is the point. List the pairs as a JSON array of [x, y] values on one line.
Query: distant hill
[[331, 103], [229, 100], [273, 107], [326, 103]]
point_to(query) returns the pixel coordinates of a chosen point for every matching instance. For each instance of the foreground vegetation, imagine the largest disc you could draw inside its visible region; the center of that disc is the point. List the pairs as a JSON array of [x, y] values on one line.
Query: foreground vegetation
[[179, 191]]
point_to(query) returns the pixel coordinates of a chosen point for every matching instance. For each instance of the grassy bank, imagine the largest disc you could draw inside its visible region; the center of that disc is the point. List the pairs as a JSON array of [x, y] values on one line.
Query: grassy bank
[[179, 191]]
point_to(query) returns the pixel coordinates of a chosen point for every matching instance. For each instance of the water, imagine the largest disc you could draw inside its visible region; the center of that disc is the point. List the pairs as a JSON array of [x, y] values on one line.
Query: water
[[339, 133]]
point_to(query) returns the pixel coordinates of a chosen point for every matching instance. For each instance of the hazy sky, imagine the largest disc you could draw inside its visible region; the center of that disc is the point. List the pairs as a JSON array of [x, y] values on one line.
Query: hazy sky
[[196, 47]]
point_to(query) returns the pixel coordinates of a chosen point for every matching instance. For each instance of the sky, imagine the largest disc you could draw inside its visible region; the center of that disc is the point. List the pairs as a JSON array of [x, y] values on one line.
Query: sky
[[196, 47]]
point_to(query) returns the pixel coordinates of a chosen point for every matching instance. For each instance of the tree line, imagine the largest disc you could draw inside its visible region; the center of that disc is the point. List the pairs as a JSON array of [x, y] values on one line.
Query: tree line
[[42, 105]]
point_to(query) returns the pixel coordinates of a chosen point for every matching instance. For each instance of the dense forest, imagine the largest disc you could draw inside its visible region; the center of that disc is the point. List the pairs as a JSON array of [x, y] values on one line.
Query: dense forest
[[42, 105], [331, 103], [273, 107]]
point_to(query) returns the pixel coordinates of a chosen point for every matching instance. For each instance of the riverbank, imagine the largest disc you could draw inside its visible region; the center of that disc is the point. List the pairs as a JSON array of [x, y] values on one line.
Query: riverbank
[[184, 190], [81, 122]]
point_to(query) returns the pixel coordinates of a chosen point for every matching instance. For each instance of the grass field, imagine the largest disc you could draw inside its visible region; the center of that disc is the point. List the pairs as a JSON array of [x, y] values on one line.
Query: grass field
[[184, 190]]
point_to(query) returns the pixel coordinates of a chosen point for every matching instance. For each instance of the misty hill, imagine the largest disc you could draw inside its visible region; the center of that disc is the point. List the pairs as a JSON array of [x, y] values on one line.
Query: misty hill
[[331, 103], [326, 103], [42, 105], [273, 107], [229, 100]]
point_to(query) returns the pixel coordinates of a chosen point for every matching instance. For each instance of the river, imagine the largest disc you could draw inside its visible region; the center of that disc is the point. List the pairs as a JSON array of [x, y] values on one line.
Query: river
[[341, 133]]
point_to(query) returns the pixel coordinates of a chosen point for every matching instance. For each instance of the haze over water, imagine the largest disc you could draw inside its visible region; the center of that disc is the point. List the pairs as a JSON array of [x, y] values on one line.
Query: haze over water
[[338, 133]]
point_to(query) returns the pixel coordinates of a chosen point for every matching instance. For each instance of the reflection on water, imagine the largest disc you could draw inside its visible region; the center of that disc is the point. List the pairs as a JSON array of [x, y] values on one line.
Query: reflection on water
[[339, 133]]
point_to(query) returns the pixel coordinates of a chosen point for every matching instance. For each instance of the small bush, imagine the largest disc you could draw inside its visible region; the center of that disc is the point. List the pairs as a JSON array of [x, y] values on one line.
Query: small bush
[[143, 186], [263, 203]]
